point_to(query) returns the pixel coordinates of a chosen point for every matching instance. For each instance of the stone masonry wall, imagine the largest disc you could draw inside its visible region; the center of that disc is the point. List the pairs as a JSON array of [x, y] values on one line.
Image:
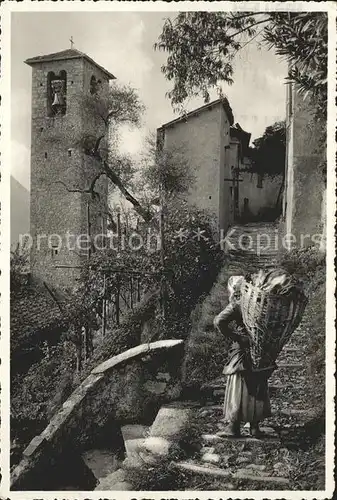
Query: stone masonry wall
[[54, 158]]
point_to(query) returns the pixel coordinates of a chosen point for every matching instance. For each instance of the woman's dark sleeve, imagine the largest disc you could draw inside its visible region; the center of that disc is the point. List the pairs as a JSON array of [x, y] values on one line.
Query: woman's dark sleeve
[[222, 320]]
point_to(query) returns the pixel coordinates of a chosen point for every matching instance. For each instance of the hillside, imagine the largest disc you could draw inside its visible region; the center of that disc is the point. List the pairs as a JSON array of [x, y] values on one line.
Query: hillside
[[20, 208]]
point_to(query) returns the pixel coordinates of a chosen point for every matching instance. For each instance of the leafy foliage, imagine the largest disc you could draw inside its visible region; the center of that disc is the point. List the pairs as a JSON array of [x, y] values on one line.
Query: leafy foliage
[[303, 39], [119, 104], [167, 170], [269, 152], [201, 47]]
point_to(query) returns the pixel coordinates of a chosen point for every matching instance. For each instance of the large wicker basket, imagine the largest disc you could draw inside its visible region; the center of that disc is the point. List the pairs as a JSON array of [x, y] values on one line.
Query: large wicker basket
[[270, 320]]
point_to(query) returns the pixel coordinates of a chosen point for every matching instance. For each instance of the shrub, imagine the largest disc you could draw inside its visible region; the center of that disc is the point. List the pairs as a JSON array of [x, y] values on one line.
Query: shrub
[[206, 349], [307, 264], [36, 395]]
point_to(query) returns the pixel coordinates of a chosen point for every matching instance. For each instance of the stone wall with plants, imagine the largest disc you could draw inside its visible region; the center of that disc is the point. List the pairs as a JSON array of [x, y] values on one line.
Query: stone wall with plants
[[127, 388]]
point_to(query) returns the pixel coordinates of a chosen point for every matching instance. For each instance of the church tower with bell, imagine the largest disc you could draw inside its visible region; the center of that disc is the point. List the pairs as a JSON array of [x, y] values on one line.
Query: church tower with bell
[[63, 216]]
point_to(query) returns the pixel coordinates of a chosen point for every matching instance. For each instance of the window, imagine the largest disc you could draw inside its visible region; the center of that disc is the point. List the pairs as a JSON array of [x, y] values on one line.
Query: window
[[93, 85]]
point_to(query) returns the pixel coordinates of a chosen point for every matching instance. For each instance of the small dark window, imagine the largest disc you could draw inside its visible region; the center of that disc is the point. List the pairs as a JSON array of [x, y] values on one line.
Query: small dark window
[[93, 85], [46, 155], [236, 197], [210, 197], [54, 251], [69, 152], [41, 129]]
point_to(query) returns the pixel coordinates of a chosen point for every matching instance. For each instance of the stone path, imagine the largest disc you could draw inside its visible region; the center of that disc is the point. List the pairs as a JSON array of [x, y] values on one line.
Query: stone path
[[250, 463], [219, 462], [243, 463]]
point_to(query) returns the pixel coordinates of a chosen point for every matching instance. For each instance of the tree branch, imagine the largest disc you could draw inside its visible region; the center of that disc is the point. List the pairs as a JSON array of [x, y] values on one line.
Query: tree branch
[[250, 27], [71, 190], [115, 179], [89, 190]]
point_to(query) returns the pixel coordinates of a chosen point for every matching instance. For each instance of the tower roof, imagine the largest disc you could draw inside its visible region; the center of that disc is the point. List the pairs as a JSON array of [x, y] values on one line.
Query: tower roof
[[67, 54]]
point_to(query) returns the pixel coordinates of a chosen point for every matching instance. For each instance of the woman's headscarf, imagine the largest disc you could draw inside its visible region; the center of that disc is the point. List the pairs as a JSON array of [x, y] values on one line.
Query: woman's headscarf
[[234, 286]]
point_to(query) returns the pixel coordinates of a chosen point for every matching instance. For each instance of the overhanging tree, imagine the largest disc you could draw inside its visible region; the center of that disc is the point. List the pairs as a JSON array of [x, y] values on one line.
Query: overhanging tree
[[105, 112], [269, 152], [202, 46]]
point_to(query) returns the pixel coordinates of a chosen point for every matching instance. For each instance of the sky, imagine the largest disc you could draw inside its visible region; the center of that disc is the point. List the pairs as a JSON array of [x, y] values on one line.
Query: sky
[[122, 42]]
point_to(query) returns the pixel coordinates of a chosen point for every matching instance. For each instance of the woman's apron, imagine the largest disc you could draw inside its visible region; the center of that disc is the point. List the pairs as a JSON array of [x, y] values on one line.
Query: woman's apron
[[247, 395]]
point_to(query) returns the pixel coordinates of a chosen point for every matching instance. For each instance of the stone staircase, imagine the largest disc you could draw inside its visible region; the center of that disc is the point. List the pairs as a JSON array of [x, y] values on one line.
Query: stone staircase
[[243, 463], [249, 463], [144, 447], [252, 246]]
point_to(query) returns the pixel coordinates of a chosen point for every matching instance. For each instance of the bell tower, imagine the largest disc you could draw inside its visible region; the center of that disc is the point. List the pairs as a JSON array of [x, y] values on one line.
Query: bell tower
[[63, 217]]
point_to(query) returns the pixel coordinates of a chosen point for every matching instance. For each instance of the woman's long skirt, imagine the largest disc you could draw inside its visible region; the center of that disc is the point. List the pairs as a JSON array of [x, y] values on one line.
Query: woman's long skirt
[[246, 397]]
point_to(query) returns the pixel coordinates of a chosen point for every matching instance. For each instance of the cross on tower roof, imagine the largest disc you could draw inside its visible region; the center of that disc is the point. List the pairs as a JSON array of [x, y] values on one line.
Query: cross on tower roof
[[71, 40]]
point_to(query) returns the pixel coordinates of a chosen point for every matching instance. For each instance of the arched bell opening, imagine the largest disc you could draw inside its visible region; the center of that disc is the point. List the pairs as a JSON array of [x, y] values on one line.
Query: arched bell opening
[[56, 93]]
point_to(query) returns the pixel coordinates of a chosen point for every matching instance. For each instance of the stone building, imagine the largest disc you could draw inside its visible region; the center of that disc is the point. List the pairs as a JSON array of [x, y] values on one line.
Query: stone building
[[304, 202], [60, 82], [254, 197], [217, 153]]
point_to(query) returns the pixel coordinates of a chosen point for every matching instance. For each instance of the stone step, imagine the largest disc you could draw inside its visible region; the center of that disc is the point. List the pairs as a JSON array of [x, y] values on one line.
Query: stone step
[[297, 413], [242, 474], [101, 462], [268, 436], [134, 431], [133, 446], [116, 481], [291, 366], [291, 348], [172, 418], [280, 387]]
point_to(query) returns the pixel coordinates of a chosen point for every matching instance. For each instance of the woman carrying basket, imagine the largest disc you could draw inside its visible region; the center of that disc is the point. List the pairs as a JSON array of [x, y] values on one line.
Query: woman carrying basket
[[246, 396]]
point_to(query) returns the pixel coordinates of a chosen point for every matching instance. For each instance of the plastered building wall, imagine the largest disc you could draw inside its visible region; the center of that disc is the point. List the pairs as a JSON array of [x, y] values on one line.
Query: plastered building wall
[[203, 139]]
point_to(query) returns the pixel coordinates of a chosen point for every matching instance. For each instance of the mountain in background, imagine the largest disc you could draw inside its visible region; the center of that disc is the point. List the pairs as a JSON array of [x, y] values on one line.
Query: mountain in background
[[20, 210]]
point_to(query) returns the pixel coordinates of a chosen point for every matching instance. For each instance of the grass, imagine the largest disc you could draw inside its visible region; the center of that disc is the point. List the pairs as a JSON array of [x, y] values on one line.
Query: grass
[[206, 349]]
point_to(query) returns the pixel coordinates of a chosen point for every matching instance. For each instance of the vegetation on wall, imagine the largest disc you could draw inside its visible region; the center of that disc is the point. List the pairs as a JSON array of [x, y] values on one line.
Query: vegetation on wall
[[309, 266], [269, 152]]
